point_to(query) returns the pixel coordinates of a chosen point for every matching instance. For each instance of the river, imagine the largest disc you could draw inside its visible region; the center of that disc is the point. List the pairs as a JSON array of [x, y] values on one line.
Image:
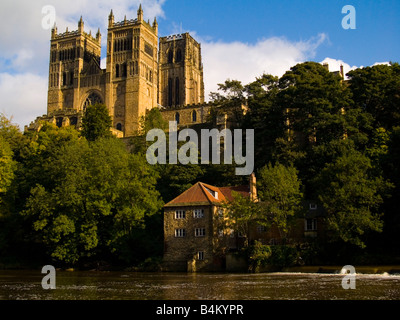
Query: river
[[91, 285]]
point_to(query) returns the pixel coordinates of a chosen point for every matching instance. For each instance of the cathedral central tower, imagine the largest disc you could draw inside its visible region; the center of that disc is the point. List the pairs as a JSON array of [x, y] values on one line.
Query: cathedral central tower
[[132, 69]]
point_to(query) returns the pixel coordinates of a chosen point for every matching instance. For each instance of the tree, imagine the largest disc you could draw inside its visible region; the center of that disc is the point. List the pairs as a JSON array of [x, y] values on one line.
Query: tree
[[279, 190], [244, 213], [7, 166], [233, 90], [96, 122], [265, 116], [315, 101], [351, 196], [100, 194], [376, 90]]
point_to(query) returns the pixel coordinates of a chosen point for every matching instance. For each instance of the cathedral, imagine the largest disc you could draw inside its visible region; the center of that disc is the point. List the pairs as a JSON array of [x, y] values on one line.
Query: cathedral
[[142, 72]]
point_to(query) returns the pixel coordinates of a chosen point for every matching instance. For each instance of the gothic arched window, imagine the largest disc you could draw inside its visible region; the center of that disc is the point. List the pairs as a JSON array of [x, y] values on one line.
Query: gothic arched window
[[169, 92], [117, 71], [59, 122], [119, 127], [178, 55], [177, 91], [73, 121], [170, 56], [92, 99], [194, 116]]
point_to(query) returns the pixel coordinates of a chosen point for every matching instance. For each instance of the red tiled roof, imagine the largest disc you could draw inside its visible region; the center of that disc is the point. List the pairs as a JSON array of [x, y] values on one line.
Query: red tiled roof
[[205, 194]]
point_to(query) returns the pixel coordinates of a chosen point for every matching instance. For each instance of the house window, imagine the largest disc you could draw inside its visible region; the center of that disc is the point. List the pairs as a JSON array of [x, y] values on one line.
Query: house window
[[261, 229], [180, 214], [199, 232], [200, 255], [310, 225], [180, 233], [273, 242], [313, 206], [198, 213]]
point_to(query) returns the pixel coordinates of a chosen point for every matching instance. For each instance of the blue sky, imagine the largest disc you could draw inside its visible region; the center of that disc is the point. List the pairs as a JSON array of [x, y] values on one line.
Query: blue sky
[[240, 39], [376, 37]]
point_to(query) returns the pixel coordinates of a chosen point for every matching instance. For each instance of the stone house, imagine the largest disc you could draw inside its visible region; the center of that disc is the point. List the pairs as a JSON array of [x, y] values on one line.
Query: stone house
[[194, 237], [198, 238]]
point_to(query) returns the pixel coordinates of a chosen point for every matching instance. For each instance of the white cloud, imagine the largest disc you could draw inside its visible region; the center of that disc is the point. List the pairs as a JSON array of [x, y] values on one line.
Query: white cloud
[[245, 62], [25, 45], [23, 97]]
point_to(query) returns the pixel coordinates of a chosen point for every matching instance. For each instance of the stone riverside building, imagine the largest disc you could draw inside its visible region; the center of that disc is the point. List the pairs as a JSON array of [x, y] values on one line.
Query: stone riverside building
[[142, 72], [197, 236]]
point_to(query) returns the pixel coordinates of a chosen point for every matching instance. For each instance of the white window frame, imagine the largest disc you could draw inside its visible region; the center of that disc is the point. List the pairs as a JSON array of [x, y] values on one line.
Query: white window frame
[[198, 213], [200, 255], [180, 214], [312, 227], [200, 232], [313, 206], [180, 233]]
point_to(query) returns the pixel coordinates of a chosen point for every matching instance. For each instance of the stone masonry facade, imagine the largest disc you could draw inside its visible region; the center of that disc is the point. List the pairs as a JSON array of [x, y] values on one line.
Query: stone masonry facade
[[142, 72]]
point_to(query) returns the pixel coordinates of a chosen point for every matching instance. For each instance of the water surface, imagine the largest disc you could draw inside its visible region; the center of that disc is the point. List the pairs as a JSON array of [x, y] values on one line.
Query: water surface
[[80, 285]]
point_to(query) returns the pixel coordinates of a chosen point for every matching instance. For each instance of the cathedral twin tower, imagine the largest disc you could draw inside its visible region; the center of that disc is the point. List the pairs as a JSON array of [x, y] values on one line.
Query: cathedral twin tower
[[142, 72]]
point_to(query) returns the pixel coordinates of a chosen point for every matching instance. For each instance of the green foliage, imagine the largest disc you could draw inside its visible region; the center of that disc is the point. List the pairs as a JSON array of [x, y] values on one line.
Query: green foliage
[[274, 257], [258, 255], [99, 194], [96, 122], [377, 90], [233, 90], [7, 166], [280, 192], [315, 101], [352, 197], [265, 116], [244, 213]]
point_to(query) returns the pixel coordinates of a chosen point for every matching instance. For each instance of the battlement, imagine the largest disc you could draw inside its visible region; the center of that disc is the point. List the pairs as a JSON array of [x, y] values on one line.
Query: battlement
[[173, 37], [125, 23], [75, 33]]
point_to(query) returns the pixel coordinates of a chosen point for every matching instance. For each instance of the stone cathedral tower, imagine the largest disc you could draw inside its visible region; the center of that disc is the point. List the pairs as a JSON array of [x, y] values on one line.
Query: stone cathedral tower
[[139, 74], [75, 77], [181, 71], [132, 67]]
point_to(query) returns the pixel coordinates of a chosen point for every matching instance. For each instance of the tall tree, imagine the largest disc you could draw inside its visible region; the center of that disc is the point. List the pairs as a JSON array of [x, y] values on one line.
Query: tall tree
[[96, 122], [279, 190], [315, 101], [265, 116], [351, 196], [376, 90]]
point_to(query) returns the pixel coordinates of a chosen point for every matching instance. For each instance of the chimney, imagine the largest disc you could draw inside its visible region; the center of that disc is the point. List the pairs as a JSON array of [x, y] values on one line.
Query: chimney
[[253, 187], [342, 71]]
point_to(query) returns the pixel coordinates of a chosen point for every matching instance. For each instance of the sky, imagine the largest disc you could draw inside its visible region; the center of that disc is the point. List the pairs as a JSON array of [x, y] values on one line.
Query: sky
[[239, 39]]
